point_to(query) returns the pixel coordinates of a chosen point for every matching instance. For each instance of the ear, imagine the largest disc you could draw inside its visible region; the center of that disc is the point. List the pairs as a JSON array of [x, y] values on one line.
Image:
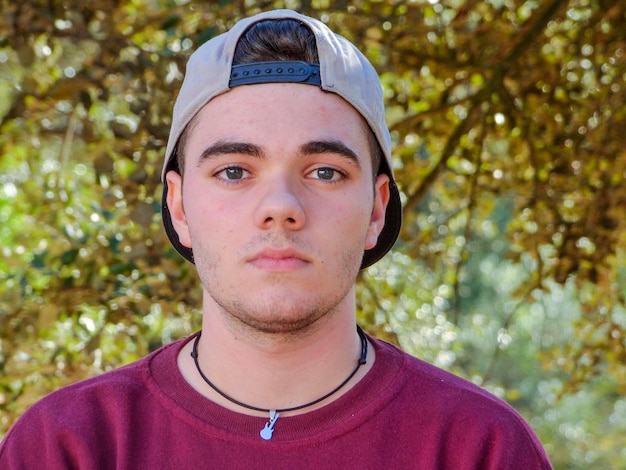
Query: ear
[[377, 220], [175, 206]]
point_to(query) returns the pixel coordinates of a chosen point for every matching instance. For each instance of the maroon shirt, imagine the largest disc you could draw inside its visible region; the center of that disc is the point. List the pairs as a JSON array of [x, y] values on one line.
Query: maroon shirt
[[404, 414]]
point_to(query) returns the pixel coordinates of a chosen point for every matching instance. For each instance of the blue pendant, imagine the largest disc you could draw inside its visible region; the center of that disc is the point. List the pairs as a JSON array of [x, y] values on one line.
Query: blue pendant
[[267, 432]]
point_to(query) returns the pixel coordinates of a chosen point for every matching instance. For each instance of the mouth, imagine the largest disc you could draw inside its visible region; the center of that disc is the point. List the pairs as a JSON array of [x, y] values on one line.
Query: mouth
[[279, 260]]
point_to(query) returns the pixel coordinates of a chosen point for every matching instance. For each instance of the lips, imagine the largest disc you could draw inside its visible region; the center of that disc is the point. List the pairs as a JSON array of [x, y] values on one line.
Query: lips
[[272, 259]]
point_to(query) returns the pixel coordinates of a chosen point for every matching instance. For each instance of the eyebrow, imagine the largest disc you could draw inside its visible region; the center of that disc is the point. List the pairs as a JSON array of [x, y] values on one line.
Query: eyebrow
[[330, 146], [224, 147], [227, 147]]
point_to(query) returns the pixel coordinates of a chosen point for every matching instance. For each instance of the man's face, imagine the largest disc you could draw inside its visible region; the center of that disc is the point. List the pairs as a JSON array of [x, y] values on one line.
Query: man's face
[[278, 203]]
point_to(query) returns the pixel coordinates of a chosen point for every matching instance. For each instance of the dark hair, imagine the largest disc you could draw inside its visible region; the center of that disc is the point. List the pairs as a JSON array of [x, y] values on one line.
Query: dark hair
[[276, 40], [281, 39]]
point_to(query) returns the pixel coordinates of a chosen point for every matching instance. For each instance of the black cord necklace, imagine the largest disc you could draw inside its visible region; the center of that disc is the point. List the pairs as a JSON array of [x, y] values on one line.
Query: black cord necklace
[[268, 430]]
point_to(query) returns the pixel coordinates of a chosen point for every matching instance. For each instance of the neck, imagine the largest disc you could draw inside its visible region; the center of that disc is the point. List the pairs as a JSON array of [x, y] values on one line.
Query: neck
[[276, 371]]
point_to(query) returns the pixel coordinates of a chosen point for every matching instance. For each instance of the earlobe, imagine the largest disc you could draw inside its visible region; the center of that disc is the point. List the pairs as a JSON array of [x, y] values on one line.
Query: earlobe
[[175, 207], [377, 220]]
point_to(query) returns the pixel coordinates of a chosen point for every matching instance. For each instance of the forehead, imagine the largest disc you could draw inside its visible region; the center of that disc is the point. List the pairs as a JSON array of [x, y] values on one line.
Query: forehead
[[279, 111]]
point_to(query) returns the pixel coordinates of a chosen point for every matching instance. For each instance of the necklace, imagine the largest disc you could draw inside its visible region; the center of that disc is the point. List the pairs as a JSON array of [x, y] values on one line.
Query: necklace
[[267, 432]]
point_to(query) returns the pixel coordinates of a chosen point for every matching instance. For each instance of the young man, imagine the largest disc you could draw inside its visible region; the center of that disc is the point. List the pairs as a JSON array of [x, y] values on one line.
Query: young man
[[279, 188]]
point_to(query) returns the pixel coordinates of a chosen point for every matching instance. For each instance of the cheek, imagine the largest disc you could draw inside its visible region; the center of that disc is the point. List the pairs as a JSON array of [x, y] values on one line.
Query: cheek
[[204, 205], [213, 221], [352, 217]]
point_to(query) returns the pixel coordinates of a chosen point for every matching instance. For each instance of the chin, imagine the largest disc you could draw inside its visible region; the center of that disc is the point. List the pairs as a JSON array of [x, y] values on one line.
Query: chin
[[280, 319]]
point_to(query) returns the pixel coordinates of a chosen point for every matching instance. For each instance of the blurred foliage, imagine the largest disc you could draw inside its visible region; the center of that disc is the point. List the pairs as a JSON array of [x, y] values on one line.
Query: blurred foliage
[[508, 121]]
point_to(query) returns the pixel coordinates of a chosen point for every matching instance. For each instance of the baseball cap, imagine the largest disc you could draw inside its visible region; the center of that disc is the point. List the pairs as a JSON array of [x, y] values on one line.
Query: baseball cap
[[342, 70]]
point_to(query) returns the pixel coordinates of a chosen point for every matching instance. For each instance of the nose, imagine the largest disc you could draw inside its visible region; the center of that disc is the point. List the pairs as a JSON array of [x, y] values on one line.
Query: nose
[[280, 206]]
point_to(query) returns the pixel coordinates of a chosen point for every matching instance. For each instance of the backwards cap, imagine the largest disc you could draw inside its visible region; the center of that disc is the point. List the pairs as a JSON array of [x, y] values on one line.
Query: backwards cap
[[342, 70]]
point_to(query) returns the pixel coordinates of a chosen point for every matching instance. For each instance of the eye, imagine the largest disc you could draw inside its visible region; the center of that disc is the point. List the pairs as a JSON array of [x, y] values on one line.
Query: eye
[[232, 173], [327, 174]]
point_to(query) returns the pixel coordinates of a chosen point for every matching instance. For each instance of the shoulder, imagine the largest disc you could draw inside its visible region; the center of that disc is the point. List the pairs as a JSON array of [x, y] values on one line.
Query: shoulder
[[460, 416], [100, 391], [89, 411], [434, 385], [75, 404]]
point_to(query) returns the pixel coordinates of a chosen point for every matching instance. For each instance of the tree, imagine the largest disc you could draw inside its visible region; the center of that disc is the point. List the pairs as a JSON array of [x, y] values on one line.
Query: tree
[[507, 120]]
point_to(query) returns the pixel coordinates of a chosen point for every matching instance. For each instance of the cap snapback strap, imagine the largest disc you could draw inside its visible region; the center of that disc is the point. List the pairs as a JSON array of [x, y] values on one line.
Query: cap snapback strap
[[281, 71]]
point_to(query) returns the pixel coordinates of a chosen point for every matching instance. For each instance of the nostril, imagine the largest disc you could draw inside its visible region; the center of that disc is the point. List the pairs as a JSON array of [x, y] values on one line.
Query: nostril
[[280, 207]]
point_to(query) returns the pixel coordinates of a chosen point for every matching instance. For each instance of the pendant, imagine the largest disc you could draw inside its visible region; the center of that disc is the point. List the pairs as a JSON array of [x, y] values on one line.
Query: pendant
[[268, 430]]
